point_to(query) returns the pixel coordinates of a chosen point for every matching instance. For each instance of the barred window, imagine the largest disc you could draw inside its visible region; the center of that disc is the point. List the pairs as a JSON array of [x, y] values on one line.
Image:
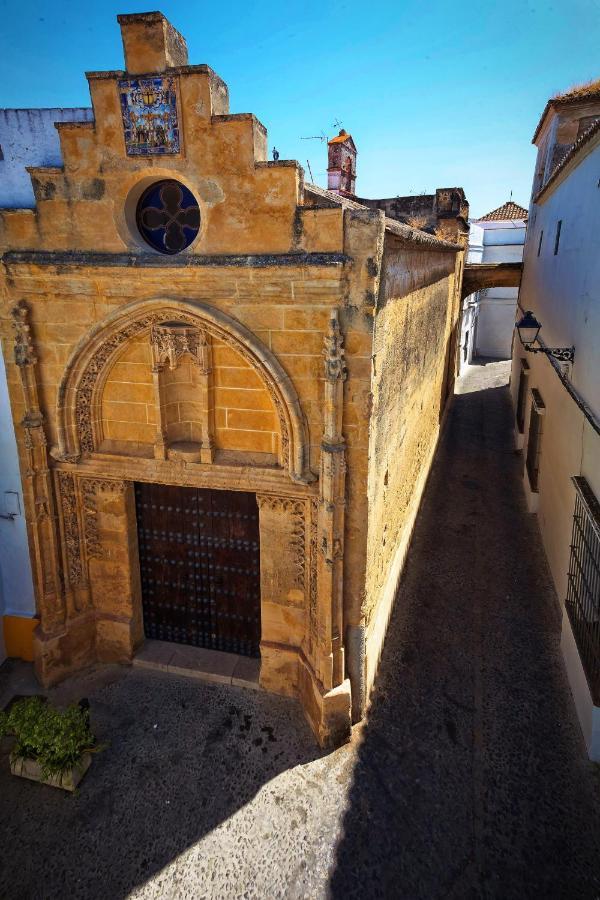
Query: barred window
[[583, 585], [534, 442]]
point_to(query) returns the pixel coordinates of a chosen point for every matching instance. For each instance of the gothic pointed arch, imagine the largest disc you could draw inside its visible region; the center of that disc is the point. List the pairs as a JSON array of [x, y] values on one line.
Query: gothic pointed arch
[[92, 358]]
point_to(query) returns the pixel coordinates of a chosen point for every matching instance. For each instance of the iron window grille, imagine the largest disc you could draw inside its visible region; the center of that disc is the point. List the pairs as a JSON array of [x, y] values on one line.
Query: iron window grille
[[534, 441], [522, 395], [583, 583]]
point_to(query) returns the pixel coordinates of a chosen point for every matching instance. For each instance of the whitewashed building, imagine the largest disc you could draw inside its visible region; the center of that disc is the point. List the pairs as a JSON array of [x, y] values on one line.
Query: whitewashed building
[[489, 314], [557, 402], [27, 138]]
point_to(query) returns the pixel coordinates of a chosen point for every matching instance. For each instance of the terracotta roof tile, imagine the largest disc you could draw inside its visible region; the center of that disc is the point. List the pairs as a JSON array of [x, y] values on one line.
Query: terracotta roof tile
[[508, 210], [413, 235], [588, 91], [580, 91], [340, 138], [581, 141]]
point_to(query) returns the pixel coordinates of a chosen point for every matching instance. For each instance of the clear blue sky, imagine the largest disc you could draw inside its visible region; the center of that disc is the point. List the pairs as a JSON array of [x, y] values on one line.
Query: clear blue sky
[[434, 93]]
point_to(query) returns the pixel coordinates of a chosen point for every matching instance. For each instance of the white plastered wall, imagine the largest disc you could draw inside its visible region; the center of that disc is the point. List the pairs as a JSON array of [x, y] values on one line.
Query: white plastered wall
[[562, 291]]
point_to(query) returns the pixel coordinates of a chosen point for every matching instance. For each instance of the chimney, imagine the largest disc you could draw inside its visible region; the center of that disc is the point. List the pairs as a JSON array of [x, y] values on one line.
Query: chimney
[[151, 44], [341, 165]]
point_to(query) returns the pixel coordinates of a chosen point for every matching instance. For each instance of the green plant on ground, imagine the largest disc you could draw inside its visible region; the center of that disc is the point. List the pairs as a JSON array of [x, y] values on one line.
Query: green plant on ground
[[54, 738]]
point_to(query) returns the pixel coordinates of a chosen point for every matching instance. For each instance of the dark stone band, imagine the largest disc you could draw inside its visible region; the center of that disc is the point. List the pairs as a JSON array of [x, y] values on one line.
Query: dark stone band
[[159, 261]]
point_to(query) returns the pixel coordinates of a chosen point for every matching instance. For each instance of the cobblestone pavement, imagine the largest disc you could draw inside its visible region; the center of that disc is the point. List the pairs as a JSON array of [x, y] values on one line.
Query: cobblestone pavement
[[472, 779], [469, 778]]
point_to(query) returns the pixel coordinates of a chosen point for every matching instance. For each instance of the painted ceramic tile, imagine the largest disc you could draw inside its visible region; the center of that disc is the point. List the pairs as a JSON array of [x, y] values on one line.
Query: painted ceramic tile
[[149, 109]]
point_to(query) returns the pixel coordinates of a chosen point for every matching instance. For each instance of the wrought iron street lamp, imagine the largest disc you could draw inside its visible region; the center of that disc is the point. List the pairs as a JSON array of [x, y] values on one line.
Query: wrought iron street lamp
[[528, 328]]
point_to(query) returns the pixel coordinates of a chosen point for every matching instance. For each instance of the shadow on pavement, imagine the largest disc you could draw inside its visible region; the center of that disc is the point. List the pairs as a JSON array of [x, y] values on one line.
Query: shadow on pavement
[[182, 758], [471, 779]]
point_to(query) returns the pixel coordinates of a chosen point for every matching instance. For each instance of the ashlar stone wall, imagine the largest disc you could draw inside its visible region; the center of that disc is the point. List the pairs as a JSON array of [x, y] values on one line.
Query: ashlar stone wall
[[413, 372], [301, 348]]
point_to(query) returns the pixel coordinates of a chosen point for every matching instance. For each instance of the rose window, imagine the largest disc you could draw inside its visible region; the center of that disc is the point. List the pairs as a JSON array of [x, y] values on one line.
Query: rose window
[[168, 216]]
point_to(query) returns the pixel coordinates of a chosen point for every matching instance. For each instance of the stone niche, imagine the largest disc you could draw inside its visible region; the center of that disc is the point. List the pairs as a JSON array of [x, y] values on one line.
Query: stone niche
[[181, 369], [178, 393]]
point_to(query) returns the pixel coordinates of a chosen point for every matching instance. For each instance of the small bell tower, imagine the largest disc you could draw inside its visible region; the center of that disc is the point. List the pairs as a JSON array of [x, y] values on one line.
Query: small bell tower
[[341, 164]]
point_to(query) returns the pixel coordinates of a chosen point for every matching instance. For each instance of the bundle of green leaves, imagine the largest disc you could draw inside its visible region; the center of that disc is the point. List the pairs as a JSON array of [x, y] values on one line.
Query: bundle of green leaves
[[55, 738]]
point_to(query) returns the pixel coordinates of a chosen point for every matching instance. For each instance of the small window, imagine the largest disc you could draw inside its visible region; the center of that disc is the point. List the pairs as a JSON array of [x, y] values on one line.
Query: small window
[[534, 441], [541, 239], [521, 396], [557, 238], [168, 216]]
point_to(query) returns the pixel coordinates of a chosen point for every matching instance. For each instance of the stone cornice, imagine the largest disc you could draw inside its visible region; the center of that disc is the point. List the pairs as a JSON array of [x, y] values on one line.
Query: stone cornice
[[154, 261]]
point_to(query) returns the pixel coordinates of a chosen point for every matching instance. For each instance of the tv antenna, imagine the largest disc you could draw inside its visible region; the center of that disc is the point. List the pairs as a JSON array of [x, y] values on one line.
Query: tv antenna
[[337, 123], [315, 137]]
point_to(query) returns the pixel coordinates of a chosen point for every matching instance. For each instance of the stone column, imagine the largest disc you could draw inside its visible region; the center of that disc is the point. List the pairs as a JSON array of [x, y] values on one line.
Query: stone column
[[330, 583], [169, 342], [203, 360], [39, 493], [160, 441]]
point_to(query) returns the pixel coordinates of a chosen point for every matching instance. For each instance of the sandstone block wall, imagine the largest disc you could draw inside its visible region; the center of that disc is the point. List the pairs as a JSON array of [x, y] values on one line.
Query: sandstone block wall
[[413, 371], [322, 358]]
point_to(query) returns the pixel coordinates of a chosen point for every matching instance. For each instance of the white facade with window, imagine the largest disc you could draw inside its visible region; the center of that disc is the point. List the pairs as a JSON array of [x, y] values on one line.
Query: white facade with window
[[488, 315], [561, 285], [27, 138]]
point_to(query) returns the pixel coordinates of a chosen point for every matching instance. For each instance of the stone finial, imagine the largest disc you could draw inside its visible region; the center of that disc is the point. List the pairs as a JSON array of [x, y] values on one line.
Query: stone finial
[[150, 43], [24, 351], [335, 366]]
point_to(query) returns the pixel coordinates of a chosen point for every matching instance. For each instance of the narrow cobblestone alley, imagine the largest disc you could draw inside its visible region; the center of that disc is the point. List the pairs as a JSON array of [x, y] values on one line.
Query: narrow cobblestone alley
[[468, 780], [472, 778]]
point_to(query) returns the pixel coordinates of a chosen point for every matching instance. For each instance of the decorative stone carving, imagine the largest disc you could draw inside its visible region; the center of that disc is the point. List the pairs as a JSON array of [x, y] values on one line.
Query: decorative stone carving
[[97, 363], [93, 371], [24, 351], [335, 367], [90, 488], [330, 655], [313, 585], [291, 532], [71, 527], [170, 340], [38, 488]]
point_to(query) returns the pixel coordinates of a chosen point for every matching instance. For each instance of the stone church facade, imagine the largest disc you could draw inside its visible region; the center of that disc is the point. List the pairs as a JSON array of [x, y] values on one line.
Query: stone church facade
[[227, 387]]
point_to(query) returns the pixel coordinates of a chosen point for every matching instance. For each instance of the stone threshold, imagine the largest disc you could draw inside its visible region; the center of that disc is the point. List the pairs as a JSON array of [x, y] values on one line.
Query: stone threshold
[[196, 662]]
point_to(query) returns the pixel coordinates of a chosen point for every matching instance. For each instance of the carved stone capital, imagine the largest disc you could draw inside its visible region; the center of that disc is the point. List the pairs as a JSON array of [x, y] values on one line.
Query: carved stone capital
[[170, 340]]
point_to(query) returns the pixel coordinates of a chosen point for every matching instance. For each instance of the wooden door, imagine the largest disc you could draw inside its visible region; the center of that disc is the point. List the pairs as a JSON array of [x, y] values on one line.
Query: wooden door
[[200, 566]]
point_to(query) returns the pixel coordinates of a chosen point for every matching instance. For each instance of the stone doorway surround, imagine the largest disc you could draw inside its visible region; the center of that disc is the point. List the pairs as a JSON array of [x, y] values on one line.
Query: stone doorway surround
[[85, 534]]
